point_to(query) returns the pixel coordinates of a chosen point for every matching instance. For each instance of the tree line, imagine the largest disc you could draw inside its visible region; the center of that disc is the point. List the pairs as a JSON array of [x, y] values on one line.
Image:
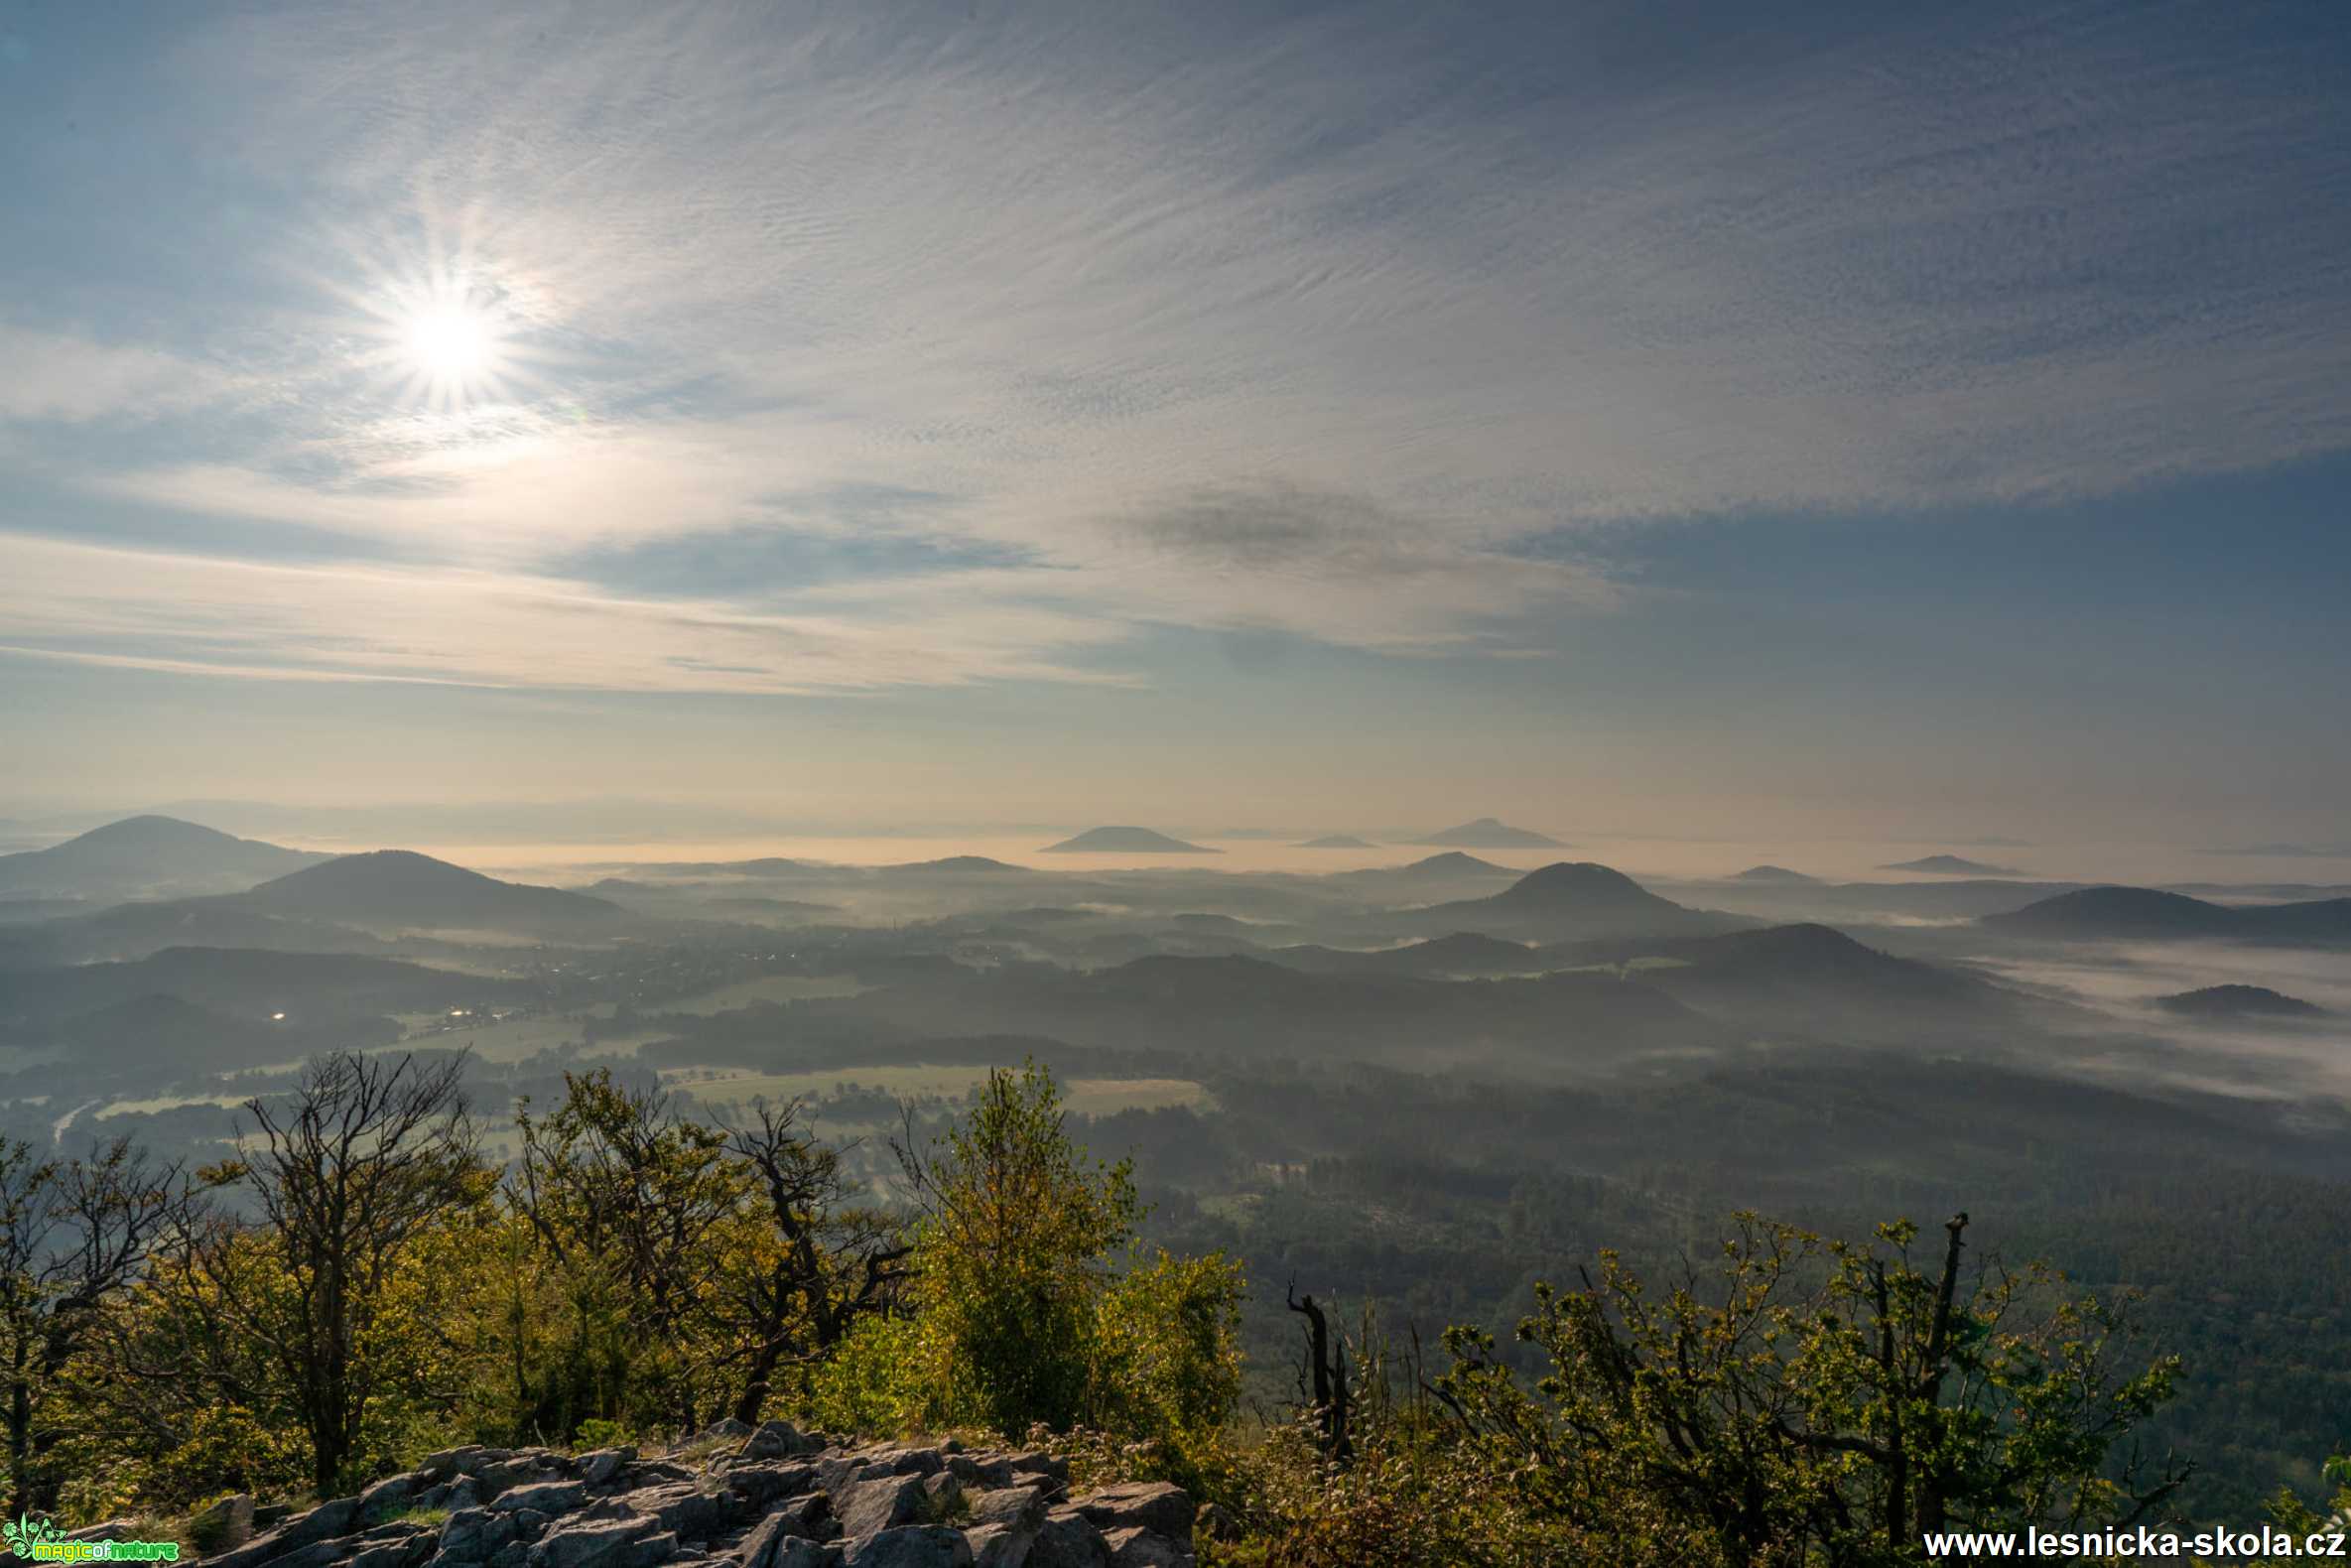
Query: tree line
[[365, 1280]]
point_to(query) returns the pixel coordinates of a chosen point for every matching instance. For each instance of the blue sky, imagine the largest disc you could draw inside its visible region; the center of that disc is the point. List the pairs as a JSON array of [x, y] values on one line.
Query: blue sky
[[1643, 414]]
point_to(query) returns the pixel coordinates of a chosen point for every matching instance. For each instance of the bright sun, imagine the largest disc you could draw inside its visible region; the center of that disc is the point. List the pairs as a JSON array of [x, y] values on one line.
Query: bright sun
[[452, 345]]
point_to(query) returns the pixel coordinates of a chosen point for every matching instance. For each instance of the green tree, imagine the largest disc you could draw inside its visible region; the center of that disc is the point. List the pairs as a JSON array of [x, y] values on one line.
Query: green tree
[[1825, 1402]]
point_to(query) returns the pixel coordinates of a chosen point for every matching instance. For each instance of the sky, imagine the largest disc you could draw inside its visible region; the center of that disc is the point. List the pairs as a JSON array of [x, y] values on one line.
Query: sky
[[1650, 417]]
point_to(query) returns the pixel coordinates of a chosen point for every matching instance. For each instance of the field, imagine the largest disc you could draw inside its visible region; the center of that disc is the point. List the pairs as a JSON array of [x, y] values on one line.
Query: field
[[1085, 1096], [767, 988]]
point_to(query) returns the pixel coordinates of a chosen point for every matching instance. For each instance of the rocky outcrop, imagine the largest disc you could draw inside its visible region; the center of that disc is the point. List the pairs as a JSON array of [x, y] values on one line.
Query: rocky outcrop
[[735, 1498]]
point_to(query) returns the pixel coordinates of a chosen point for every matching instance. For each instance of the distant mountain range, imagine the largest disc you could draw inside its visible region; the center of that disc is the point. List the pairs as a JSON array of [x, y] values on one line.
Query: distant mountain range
[[1126, 841], [2144, 914], [1337, 840], [1950, 866], [1488, 833], [148, 857], [1773, 873], [2224, 1003]]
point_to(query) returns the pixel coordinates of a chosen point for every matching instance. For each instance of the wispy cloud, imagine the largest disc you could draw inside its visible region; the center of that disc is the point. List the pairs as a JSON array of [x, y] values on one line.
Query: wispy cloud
[[1298, 323]]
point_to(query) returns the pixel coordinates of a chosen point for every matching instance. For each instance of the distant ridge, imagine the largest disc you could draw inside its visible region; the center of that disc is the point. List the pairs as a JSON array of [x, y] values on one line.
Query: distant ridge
[[1488, 833], [1576, 899], [1126, 841], [957, 866], [402, 888], [1451, 866], [2238, 1002], [146, 853], [1336, 840], [1951, 865], [2115, 914], [1772, 873]]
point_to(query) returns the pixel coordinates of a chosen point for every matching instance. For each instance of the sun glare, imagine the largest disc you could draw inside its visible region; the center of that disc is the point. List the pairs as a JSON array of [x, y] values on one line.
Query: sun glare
[[451, 343]]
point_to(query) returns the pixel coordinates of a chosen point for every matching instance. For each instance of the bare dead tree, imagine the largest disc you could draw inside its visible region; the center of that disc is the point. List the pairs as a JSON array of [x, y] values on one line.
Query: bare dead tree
[[833, 1263], [367, 1154], [75, 1234], [1325, 1367]]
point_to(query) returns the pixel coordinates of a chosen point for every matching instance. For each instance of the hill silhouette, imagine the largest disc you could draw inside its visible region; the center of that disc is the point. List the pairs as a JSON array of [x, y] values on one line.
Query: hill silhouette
[[957, 866], [1950, 866], [2238, 1002], [1337, 840], [1449, 866], [1488, 833], [1459, 953], [1773, 873], [403, 888], [2146, 914], [147, 855], [1126, 841], [1572, 899]]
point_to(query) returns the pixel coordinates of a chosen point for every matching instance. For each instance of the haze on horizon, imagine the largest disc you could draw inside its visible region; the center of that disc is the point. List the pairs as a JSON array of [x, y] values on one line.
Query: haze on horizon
[[1630, 419]]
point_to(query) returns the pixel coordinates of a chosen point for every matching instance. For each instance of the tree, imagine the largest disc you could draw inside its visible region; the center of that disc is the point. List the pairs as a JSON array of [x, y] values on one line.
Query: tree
[[74, 1235], [1834, 1403], [344, 1181], [816, 1266], [628, 1206]]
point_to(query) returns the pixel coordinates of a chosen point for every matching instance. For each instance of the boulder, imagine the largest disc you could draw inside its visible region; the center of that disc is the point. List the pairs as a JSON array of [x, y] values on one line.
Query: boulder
[[868, 1508], [225, 1524], [687, 1507], [774, 1440], [631, 1541], [542, 1497], [912, 1546], [1068, 1539], [602, 1465], [1142, 1548], [758, 1485], [394, 1493], [1152, 1504], [473, 1534]]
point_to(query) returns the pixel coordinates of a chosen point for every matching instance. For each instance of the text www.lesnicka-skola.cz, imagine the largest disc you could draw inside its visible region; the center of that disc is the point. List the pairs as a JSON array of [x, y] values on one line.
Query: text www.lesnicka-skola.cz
[[1959, 1546]]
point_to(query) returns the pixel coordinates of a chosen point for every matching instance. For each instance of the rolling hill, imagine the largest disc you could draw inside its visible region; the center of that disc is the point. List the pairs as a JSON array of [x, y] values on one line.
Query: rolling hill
[[2221, 1004], [1777, 874], [1569, 900], [397, 887], [2144, 914], [1950, 866], [1126, 841], [1488, 833], [1338, 841], [148, 857]]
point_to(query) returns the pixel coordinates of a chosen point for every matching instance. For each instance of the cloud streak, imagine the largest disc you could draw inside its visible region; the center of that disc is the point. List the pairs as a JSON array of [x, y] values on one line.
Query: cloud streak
[[1304, 322]]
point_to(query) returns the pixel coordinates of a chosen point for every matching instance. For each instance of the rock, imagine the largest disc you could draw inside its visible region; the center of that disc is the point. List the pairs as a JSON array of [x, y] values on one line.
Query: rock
[[761, 1484], [868, 1508], [472, 1535], [810, 1515], [1153, 1504], [999, 1545], [470, 1460], [944, 1493], [111, 1530], [1023, 1506], [1040, 1464], [226, 1523], [322, 1522], [405, 1552], [631, 1541], [719, 1431], [1142, 1548], [602, 1465], [526, 1469], [774, 1543], [774, 1440], [268, 1514], [514, 1554], [543, 1497], [460, 1493], [530, 1524], [1068, 1539], [912, 1546], [684, 1507]]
